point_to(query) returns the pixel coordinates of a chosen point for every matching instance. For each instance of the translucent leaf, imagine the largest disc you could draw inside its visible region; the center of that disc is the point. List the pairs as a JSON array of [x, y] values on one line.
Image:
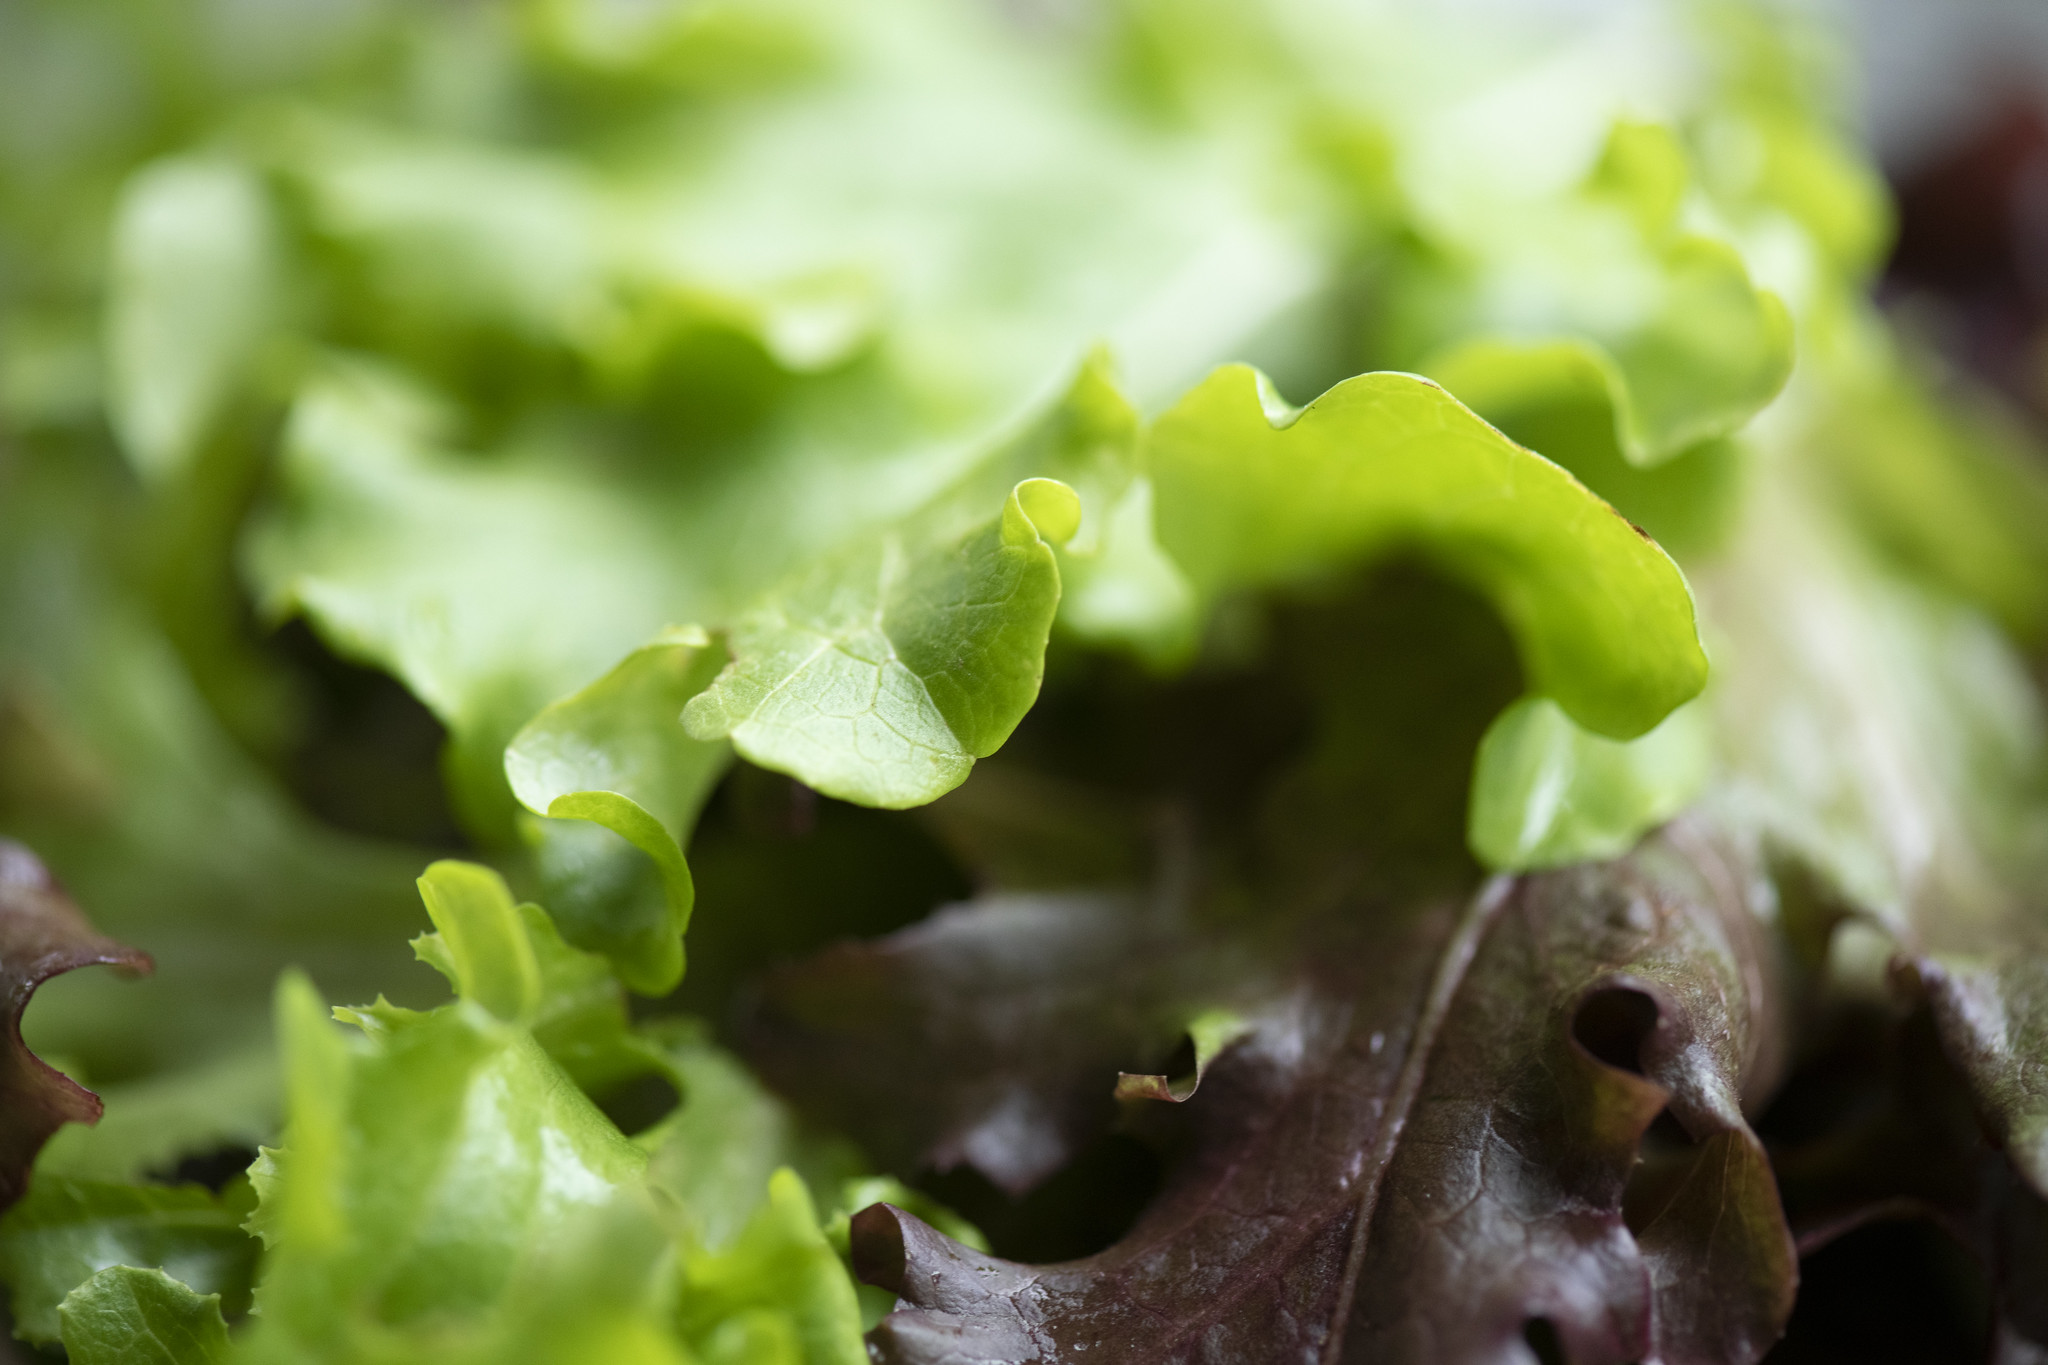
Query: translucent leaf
[[1547, 793]]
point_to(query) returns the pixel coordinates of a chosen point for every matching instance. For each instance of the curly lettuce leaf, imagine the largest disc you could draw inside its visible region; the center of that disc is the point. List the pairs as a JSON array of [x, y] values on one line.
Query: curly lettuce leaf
[[56, 1239], [772, 387], [42, 933], [1629, 288], [128, 1316], [881, 680], [616, 756], [1653, 398], [481, 254], [1700, 353], [446, 1191], [425, 1161], [1251, 493]]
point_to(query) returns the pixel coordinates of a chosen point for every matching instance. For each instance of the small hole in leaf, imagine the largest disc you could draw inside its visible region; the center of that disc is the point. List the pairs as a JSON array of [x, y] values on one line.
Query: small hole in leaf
[[1542, 1338], [1613, 1023], [638, 1104]]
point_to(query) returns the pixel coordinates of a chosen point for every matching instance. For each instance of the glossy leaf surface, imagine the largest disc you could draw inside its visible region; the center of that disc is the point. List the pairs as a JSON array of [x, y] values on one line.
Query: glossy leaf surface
[[1409, 1160], [1250, 494]]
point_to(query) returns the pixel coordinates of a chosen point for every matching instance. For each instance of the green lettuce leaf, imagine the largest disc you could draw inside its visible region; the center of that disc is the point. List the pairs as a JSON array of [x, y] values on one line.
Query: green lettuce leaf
[[615, 755], [439, 568], [1546, 793], [511, 960], [881, 679], [54, 1241], [1252, 493], [389, 1202], [123, 1314], [1695, 358], [194, 298], [446, 1191], [779, 1281]]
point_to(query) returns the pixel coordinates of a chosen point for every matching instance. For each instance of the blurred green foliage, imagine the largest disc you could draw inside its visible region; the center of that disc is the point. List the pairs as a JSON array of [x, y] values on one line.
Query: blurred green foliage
[[645, 385]]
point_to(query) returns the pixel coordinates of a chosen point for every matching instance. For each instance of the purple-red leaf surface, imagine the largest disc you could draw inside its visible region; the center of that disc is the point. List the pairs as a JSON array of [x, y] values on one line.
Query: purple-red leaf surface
[[1420, 1147], [42, 933]]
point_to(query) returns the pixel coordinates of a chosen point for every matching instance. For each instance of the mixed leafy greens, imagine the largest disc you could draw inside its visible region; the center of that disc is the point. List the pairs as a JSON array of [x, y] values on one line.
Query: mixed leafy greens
[[1291, 876]]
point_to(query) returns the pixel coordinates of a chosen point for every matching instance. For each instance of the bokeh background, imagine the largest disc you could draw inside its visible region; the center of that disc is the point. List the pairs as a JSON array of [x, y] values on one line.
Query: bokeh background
[[1953, 97]]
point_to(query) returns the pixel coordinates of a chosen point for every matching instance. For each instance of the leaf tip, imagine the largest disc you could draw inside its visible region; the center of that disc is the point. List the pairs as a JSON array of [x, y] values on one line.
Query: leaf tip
[[706, 719], [1052, 509]]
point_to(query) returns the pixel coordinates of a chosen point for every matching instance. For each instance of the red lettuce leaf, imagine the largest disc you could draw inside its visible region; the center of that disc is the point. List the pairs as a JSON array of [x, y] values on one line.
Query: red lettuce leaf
[[1889, 1124], [1420, 1148], [42, 934]]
